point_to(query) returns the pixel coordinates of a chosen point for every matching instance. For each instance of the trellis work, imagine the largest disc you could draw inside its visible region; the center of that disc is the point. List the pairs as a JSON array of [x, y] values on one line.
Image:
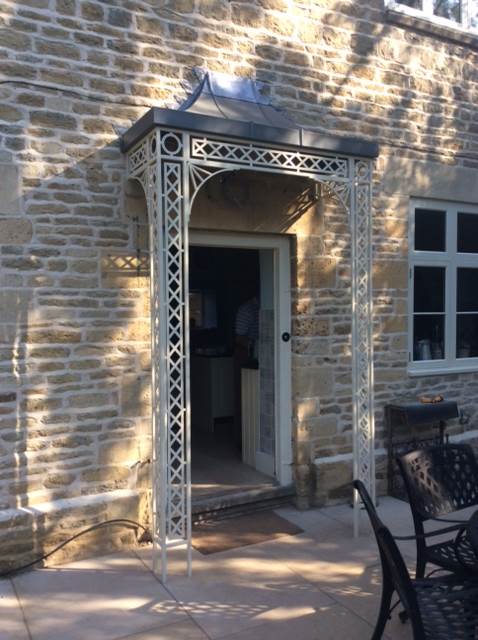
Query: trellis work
[[172, 165]]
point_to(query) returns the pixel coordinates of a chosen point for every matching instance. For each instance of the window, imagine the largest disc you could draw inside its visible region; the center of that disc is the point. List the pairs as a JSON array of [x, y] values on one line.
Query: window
[[443, 297], [454, 13]]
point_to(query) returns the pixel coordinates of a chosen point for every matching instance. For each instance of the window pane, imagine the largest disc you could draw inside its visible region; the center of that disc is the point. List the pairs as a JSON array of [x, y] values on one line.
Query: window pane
[[447, 9], [467, 290], [474, 14], [428, 337], [430, 230], [416, 4], [429, 289], [467, 336], [467, 233]]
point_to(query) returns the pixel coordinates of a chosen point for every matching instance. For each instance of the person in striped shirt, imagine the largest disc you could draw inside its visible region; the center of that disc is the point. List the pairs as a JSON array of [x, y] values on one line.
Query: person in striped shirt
[[247, 325]]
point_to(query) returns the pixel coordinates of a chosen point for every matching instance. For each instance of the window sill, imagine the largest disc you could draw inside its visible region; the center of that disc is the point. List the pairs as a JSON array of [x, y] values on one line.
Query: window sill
[[415, 372], [457, 33]]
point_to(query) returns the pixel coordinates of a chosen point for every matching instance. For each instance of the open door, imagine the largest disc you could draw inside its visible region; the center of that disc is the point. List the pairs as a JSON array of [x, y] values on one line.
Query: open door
[[225, 271]]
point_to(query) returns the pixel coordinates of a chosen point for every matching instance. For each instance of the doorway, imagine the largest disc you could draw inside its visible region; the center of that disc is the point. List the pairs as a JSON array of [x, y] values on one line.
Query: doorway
[[239, 293]]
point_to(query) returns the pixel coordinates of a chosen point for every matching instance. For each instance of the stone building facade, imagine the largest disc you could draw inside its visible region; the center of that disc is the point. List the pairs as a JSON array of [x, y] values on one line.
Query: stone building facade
[[74, 296]]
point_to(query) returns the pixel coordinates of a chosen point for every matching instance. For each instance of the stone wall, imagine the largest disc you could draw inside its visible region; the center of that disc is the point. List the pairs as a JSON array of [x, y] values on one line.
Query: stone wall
[[74, 351]]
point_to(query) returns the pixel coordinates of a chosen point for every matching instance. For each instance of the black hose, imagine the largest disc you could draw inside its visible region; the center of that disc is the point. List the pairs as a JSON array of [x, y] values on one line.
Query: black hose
[[107, 523]]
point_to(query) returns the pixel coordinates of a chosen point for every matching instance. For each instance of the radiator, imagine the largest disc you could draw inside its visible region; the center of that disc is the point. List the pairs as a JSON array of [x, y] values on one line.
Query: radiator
[[250, 407]]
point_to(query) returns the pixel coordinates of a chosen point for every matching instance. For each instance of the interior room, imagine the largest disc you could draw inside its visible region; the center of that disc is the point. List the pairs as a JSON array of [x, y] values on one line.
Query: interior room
[[231, 374]]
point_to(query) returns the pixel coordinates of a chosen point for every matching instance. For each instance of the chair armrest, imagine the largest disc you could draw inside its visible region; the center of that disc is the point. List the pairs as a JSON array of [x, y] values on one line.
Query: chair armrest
[[430, 534], [462, 522]]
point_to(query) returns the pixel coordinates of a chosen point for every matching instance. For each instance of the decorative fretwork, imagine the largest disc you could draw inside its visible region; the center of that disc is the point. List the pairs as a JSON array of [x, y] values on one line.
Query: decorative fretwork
[[362, 338], [338, 191], [198, 175], [176, 404], [257, 157], [138, 158], [172, 166]]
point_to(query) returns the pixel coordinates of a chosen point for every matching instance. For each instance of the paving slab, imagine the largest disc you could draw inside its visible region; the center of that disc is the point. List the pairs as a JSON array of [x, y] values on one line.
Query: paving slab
[[12, 626], [327, 623], [187, 630], [313, 521], [103, 598], [244, 588]]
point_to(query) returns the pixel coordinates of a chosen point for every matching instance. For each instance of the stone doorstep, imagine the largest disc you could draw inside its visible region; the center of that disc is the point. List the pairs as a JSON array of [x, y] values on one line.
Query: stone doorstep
[[223, 505]]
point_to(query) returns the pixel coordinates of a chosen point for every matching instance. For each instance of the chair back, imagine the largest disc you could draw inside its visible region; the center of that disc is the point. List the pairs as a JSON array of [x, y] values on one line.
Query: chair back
[[440, 479], [393, 567]]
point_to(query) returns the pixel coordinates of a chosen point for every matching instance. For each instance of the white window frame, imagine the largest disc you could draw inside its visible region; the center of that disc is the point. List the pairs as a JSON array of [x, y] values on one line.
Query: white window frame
[[427, 14], [451, 260]]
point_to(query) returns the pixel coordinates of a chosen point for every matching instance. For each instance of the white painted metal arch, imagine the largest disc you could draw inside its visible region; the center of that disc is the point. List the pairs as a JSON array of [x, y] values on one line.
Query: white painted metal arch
[[172, 166]]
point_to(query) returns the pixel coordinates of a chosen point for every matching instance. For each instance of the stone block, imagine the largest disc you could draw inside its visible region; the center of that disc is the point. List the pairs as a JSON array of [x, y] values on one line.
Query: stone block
[[398, 343], [302, 477], [52, 336], [14, 306], [120, 18], [333, 481], [139, 331], [303, 453], [119, 451], [10, 192], [396, 228], [429, 179], [40, 404], [135, 396], [307, 408], [14, 230], [389, 375], [134, 200], [87, 400], [310, 327], [53, 119], [390, 274], [145, 360], [326, 426], [394, 324], [310, 382], [54, 480], [317, 273], [106, 474]]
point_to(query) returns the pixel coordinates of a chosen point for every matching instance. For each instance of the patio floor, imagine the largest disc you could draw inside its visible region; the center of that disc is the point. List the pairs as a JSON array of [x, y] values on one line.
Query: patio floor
[[321, 584]]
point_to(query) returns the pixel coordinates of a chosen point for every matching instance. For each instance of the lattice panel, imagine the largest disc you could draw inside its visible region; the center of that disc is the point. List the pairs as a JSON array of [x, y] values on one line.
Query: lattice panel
[[363, 348], [176, 279], [138, 158], [255, 157]]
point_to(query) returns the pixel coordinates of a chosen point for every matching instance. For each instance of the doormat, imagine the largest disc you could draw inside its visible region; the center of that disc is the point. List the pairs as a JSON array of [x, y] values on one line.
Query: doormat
[[221, 535]]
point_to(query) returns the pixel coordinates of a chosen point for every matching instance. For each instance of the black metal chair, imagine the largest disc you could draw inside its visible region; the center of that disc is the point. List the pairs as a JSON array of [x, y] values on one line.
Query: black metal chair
[[440, 480], [444, 608]]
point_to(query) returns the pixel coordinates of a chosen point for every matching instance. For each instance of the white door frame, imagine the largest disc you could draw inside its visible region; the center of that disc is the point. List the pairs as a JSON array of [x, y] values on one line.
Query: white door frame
[[280, 245]]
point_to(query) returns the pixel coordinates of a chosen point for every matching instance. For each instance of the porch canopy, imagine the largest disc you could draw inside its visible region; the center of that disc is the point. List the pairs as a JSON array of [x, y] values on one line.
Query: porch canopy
[[236, 108], [229, 124]]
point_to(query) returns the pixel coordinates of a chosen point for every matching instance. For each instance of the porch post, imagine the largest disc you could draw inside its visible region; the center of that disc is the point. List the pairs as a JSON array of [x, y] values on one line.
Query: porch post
[[167, 184], [362, 330]]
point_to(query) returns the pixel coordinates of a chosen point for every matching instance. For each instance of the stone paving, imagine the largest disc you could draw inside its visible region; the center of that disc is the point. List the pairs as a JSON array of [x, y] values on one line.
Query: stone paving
[[319, 585]]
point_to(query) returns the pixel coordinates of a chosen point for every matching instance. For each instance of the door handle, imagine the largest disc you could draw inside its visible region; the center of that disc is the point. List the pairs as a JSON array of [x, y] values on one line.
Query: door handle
[[285, 336]]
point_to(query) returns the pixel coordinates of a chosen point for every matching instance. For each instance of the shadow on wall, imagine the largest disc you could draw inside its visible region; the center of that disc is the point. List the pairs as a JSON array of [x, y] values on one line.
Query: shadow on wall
[[74, 310]]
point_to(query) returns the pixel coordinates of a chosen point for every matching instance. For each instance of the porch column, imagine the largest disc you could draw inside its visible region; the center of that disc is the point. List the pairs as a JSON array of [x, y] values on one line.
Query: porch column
[[362, 329], [166, 188]]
